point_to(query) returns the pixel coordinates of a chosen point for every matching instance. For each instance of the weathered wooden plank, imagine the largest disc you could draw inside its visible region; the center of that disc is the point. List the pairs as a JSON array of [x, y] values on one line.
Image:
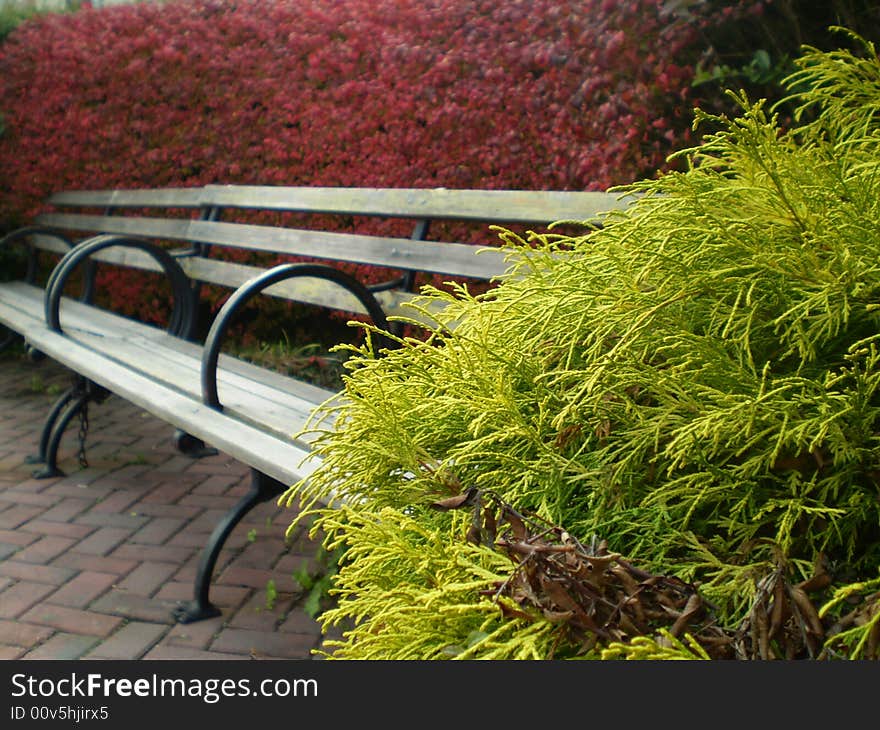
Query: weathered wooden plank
[[113, 330], [452, 259], [500, 206], [29, 300], [168, 228], [23, 305], [148, 198], [305, 290], [269, 409], [48, 243]]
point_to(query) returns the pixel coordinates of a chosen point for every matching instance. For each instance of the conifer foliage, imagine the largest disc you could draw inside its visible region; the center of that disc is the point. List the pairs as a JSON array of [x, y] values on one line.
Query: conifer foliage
[[657, 439]]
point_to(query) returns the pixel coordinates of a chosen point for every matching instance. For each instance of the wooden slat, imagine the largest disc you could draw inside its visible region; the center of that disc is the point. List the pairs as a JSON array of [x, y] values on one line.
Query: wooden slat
[[26, 299], [286, 462], [154, 198], [135, 258], [452, 259], [48, 243], [306, 290], [169, 228], [269, 408], [500, 206], [296, 395], [272, 402]]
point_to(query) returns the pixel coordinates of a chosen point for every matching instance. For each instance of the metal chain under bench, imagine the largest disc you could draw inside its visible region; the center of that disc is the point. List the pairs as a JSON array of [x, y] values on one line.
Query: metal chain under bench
[[213, 400]]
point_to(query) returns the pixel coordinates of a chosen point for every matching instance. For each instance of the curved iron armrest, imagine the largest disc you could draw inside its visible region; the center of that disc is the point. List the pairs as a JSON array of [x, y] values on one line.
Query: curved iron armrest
[[214, 340], [27, 232], [22, 234], [182, 318]]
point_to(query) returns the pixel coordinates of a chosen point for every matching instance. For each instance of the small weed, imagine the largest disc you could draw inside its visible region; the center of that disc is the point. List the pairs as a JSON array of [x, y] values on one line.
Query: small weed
[[252, 535], [271, 595], [318, 583]]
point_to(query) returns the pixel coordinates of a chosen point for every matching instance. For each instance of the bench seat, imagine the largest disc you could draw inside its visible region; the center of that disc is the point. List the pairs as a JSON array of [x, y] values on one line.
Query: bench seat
[[161, 373]]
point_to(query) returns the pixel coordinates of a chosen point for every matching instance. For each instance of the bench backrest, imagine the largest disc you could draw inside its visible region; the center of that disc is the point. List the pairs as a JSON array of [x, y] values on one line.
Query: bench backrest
[[214, 216]]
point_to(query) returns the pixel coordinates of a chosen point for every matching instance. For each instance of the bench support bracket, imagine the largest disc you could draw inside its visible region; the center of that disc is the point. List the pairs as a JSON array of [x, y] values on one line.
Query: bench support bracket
[[263, 488]]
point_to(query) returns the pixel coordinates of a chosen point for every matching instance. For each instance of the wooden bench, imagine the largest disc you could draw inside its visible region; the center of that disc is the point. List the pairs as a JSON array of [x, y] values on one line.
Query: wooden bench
[[214, 400]]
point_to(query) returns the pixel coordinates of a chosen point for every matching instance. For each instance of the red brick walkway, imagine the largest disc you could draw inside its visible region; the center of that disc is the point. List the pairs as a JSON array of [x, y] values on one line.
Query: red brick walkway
[[92, 563]]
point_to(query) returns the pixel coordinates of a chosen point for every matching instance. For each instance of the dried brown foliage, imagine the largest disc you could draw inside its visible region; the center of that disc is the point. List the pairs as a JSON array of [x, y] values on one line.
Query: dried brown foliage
[[600, 598]]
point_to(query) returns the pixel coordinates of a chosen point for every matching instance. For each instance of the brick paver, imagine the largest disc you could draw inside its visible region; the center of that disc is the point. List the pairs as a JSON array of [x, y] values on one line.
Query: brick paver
[[261, 644], [72, 620], [133, 606], [16, 537], [79, 592], [148, 578], [93, 562], [18, 598], [45, 549], [20, 634], [132, 641], [35, 528], [54, 575], [103, 541], [63, 646]]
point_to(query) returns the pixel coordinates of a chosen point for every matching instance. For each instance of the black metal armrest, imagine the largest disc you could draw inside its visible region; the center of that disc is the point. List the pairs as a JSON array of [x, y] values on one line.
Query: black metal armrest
[[182, 318], [21, 235], [214, 340], [25, 233]]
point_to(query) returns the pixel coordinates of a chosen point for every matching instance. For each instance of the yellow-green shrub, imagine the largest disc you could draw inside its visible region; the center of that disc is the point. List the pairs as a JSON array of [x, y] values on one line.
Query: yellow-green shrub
[[696, 383]]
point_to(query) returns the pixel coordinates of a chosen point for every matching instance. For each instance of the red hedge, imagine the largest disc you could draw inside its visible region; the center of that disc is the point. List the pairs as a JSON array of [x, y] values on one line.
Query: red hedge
[[546, 94]]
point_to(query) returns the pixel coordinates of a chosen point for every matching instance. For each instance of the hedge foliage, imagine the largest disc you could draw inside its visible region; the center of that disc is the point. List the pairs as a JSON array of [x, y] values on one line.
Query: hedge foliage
[[546, 94], [455, 93]]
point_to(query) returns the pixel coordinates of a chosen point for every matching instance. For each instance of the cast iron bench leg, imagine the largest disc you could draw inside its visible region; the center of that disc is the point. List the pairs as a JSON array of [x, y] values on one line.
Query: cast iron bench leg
[[50, 468], [263, 488], [72, 402], [41, 457]]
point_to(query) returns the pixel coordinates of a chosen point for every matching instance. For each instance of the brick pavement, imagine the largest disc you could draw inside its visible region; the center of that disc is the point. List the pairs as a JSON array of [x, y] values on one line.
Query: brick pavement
[[92, 563]]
